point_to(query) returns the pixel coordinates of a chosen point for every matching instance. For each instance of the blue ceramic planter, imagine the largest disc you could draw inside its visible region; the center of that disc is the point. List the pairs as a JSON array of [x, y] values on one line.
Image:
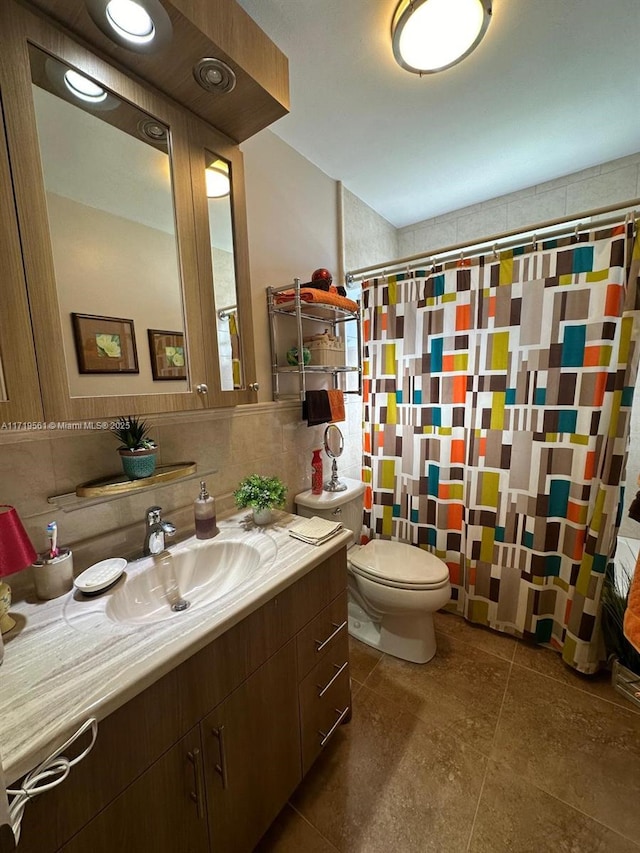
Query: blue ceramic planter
[[138, 464]]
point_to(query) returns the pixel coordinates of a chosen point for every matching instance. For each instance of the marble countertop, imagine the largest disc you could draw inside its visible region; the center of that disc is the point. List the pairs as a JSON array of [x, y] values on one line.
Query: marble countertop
[[66, 660]]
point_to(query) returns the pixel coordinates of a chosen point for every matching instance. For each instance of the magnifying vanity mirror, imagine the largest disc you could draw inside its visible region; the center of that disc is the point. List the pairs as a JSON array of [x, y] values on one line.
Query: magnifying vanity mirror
[[334, 446]]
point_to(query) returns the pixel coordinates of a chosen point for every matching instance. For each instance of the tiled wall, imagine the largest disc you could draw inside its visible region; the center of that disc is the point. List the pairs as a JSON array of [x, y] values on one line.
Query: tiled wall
[[266, 438], [368, 237], [609, 183]]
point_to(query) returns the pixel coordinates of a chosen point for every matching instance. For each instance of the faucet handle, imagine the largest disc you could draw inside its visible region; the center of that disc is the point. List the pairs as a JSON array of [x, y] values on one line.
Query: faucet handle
[[168, 528], [154, 515]]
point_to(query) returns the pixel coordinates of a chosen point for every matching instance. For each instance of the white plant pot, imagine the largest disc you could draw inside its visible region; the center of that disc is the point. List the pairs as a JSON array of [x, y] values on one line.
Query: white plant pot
[[263, 516]]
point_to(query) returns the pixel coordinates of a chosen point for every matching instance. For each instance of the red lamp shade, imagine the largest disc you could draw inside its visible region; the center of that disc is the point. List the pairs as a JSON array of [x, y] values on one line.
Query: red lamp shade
[[16, 550]]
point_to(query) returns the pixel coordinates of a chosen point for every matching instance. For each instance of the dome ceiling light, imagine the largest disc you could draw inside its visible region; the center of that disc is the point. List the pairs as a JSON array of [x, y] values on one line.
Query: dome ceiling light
[[431, 35], [140, 25]]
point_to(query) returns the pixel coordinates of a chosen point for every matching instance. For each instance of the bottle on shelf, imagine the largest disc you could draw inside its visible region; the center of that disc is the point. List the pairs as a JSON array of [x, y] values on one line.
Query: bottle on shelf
[[204, 510], [316, 473]]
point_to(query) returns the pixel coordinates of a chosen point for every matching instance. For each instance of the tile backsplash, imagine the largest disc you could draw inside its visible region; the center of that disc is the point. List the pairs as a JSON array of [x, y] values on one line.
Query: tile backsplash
[[226, 444]]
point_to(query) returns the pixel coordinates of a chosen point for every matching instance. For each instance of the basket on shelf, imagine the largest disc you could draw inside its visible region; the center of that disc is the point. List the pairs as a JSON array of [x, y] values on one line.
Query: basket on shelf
[[326, 349]]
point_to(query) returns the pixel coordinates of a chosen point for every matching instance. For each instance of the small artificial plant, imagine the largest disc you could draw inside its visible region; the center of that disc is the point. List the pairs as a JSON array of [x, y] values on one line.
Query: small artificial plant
[[133, 434], [614, 603], [260, 492]]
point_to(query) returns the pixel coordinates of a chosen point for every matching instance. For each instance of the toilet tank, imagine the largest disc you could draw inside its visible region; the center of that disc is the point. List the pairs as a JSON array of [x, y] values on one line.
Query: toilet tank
[[346, 506]]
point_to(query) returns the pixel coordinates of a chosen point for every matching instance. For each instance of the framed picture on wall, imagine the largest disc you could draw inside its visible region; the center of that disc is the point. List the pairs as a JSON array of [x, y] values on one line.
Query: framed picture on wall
[[104, 344], [168, 360]]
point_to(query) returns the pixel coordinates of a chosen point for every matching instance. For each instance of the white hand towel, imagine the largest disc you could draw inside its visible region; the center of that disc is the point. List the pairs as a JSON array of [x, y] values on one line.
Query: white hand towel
[[315, 530]]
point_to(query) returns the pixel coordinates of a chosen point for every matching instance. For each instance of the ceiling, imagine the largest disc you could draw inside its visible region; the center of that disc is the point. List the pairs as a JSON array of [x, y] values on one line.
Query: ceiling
[[552, 89]]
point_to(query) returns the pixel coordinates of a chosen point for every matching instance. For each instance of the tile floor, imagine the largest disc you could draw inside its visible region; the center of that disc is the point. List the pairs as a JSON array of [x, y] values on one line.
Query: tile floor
[[493, 747]]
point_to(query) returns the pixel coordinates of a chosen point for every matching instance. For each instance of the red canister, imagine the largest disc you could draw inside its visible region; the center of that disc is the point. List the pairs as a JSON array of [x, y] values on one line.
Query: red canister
[[316, 473]]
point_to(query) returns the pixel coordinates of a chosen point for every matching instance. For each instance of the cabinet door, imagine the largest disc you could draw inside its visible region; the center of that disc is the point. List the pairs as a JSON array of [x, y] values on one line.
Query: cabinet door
[[164, 811], [252, 754], [19, 390]]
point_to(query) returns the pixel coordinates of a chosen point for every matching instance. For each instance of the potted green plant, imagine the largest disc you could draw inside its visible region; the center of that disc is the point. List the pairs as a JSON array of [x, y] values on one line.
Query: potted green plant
[[624, 659], [262, 494], [138, 451]]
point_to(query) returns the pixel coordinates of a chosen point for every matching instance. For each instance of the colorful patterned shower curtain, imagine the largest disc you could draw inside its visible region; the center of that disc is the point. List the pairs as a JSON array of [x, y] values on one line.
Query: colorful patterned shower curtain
[[497, 399]]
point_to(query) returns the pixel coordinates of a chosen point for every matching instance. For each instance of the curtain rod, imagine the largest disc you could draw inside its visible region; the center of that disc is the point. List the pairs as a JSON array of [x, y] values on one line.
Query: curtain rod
[[479, 246]]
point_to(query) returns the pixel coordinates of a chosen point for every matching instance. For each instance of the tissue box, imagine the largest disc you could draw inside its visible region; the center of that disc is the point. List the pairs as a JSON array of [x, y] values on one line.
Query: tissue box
[[326, 350]]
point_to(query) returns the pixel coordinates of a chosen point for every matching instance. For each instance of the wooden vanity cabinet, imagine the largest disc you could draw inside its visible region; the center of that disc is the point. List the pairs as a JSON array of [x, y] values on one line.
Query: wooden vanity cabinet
[[206, 757], [323, 671], [164, 811], [251, 750]]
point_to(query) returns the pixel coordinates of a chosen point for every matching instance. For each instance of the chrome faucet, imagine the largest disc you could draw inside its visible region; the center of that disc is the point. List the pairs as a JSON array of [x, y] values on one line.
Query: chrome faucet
[[156, 530]]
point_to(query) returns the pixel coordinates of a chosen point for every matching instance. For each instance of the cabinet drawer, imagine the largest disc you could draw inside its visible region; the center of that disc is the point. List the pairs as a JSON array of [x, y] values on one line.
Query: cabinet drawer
[[322, 635], [325, 699]]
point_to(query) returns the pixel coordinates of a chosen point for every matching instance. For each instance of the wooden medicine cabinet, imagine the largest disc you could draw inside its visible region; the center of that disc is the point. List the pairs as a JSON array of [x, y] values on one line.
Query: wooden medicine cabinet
[[126, 260]]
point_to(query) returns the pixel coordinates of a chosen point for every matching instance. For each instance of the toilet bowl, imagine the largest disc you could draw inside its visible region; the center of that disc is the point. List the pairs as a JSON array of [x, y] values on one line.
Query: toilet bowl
[[394, 587]]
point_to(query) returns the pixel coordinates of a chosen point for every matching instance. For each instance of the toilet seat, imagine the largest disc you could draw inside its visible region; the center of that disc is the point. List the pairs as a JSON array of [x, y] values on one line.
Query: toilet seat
[[399, 565]]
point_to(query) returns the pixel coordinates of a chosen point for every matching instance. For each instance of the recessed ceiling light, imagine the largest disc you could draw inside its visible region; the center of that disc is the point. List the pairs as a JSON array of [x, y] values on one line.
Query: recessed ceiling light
[[83, 88], [140, 25], [214, 75], [217, 180], [152, 129], [431, 35], [130, 20]]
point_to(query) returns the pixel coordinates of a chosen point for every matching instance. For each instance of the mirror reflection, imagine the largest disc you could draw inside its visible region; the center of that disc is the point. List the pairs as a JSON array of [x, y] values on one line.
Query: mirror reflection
[[107, 175], [218, 184]]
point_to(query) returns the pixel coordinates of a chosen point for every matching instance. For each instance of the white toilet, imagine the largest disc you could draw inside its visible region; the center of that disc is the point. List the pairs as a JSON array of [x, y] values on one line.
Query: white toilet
[[394, 588]]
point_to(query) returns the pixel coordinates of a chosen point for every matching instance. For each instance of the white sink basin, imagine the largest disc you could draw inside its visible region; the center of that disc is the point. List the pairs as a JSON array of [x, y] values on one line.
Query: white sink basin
[[197, 576]]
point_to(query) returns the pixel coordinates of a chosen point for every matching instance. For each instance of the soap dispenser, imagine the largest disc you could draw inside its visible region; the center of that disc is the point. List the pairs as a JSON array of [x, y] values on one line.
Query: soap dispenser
[[204, 509]]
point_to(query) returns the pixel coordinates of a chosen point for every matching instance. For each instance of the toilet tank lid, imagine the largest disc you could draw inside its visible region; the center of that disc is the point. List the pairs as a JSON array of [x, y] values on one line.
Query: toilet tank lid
[[400, 562], [328, 500]]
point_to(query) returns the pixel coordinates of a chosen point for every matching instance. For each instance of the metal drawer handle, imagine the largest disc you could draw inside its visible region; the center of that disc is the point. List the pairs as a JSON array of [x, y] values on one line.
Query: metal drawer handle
[[320, 644], [341, 716], [337, 674], [222, 767], [198, 795]]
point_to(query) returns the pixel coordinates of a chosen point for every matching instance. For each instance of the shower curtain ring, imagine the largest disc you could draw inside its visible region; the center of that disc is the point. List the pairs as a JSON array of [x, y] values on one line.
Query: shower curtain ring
[[495, 251]]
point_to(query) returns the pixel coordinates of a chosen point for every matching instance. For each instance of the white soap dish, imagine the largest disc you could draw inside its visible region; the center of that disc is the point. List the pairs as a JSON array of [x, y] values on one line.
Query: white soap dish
[[100, 576]]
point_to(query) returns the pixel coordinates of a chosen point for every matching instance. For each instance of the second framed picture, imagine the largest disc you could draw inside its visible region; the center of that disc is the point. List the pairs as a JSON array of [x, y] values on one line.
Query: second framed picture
[[168, 357]]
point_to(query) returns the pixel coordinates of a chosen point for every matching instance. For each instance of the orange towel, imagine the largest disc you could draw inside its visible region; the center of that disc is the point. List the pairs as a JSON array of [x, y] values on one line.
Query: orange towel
[[632, 613], [311, 294], [336, 404]]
